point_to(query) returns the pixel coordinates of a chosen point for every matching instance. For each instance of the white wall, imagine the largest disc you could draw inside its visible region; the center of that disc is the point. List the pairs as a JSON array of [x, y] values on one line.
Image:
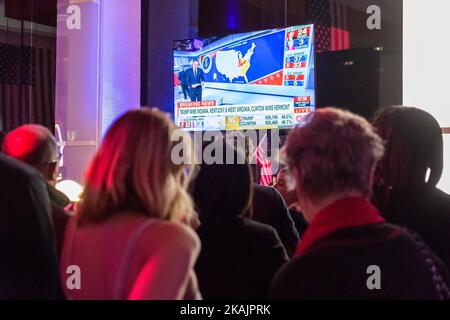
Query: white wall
[[445, 181], [426, 64], [97, 75], [120, 59]]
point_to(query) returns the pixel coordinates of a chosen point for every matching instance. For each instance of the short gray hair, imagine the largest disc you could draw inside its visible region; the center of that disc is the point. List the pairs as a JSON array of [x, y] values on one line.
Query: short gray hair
[[335, 151]]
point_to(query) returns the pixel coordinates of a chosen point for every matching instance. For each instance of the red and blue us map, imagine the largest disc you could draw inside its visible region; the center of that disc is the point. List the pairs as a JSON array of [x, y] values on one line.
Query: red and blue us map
[[256, 80]]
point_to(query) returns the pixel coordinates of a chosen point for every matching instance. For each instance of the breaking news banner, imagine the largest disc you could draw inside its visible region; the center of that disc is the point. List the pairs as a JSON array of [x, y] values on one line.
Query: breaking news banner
[[208, 114]]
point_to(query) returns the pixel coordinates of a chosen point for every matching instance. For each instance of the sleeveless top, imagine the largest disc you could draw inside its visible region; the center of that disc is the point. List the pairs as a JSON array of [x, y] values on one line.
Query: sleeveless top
[[119, 292]]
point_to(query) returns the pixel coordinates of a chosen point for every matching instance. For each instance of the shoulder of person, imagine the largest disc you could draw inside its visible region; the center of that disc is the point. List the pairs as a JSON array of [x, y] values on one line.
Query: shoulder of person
[[290, 280], [363, 236], [441, 201], [262, 192], [260, 231], [20, 171], [176, 234], [266, 191]]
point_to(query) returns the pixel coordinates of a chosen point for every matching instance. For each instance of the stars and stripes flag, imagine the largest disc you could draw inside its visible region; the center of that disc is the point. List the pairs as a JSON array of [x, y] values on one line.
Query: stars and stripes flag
[[265, 164], [318, 12], [340, 36], [331, 24], [27, 86]]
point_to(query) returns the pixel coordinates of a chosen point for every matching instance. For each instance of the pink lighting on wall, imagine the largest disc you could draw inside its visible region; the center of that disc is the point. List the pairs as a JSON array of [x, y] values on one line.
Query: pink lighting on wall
[[97, 73]]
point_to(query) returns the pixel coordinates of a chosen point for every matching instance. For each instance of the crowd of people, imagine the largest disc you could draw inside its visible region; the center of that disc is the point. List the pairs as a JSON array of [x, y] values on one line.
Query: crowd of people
[[355, 214]]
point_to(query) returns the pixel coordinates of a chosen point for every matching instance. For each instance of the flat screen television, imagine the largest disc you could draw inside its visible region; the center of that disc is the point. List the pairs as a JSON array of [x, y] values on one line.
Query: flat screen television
[[255, 80]]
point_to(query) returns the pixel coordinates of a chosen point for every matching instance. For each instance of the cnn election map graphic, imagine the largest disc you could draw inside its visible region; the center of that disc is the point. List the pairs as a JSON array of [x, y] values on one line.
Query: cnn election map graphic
[[257, 80]]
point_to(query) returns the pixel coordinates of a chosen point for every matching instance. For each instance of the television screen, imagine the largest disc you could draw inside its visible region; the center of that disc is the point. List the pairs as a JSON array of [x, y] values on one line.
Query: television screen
[[256, 80]]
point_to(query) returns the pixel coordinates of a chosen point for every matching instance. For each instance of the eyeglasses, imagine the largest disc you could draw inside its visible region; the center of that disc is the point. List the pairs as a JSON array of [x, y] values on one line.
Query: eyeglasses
[[51, 162]]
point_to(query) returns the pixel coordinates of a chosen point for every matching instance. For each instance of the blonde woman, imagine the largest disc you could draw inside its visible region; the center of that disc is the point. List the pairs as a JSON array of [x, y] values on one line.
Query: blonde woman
[[128, 240]]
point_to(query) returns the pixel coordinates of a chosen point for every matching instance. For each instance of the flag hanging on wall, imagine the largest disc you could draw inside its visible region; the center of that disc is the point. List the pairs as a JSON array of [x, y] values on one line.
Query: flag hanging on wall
[[27, 86], [331, 24]]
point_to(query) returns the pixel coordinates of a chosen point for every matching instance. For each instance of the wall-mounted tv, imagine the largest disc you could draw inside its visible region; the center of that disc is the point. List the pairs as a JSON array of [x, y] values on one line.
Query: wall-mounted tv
[[255, 80]]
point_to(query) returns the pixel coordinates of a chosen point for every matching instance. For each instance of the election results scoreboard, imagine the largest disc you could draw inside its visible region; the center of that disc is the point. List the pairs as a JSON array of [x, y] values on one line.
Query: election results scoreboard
[[257, 80]]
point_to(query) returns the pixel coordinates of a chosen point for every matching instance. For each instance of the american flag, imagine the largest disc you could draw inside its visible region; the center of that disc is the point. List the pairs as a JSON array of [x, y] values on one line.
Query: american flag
[[15, 64], [260, 155], [331, 24], [340, 35], [27, 86]]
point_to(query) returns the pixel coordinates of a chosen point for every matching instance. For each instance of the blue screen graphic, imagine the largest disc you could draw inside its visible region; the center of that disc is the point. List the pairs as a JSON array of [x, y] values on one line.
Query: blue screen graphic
[[257, 80]]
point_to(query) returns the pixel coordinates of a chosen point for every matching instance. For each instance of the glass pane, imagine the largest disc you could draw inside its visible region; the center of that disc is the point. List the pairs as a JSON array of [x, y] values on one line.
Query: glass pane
[[27, 63]]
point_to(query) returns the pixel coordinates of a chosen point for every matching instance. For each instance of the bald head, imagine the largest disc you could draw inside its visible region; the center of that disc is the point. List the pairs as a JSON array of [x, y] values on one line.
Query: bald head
[[34, 145]]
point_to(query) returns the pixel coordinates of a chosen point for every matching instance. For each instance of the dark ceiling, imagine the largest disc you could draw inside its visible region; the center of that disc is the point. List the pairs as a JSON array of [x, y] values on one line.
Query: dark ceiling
[[38, 11]]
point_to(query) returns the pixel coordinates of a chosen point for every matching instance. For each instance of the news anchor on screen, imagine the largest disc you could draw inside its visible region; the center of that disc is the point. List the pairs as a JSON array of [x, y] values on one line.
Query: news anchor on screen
[[195, 79], [183, 82]]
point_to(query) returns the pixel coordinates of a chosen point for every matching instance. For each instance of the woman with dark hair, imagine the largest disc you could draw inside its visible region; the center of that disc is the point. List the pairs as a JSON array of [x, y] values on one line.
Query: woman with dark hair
[[406, 177], [239, 256]]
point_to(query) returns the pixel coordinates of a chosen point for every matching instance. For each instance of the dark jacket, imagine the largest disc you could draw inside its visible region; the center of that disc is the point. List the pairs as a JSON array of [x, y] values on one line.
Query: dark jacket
[[29, 268], [191, 79], [270, 208], [428, 214], [2, 136], [238, 259], [336, 267], [60, 216], [300, 222], [57, 197], [182, 76]]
